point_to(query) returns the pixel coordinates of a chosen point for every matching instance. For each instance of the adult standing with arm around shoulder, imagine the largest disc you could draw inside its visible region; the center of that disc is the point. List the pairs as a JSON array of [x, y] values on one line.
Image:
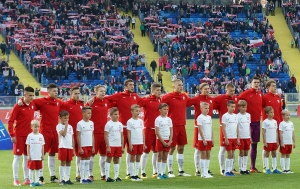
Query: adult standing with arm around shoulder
[[253, 97]]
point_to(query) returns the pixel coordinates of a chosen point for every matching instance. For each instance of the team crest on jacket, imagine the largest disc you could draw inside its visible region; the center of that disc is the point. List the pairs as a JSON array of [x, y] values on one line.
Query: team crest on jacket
[[235, 99], [158, 100], [80, 107], [183, 98], [210, 101], [105, 105], [56, 103], [259, 94], [278, 101]]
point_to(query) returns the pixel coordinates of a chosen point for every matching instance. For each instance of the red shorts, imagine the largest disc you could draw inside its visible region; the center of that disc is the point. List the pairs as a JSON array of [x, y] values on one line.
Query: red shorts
[[20, 146], [287, 149], [222, 139], [137, 149], [65, 154], [160, 147], [125, 137], [201, 146], [150, 140], [271, 147], [87, 152], [179, 135], [245, 144], [51, 141], [99, 142], [232, 144], [35, 164], [195, 141], [115, 152]]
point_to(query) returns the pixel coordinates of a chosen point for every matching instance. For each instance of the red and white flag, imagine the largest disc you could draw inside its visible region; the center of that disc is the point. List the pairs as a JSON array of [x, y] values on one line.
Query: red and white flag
[[44, 91], [257, 42]]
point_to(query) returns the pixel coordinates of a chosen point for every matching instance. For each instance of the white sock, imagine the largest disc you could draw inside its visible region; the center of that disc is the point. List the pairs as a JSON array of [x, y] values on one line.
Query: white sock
[[159, 168], [245, 163], [202, 166], [102, 165], [170, 163], [86, 169], [25, 167], [267, 163], [163, 168], [274, 163], [228, 166], [117, 170], [77, 166], [263, 158], [197, 159], [180, 161], [144, 159], [207, 162], [127, 163], [287, 163], [51, 165], [15, 167], [42, 170], [62, 172], [137, 168], [107, 169], [154, 160], [221, 157], [131, 169], [282, 164], [91, 166], [240, 161], [31, 175], [82, 169], [37, 175], [67, 172]]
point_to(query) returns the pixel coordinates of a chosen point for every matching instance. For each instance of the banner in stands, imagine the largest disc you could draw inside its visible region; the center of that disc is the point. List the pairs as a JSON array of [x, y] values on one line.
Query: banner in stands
[[4, 115], [190, 112], [5, 142]]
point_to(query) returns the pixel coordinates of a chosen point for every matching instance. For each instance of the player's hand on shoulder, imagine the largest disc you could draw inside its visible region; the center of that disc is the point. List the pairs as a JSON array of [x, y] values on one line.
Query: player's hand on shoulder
[[13, 139], [91, 101], [20, 102]]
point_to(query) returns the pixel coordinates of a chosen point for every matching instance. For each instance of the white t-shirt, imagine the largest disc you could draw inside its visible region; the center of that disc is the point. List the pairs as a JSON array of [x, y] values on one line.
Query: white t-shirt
[[287, 129], [164, 124], [244, 125], [86, 130], [36, 143], [136, 128], [271, 130], [230, 120], [206, 123], [114, 130], [133, 20], [65, 141]]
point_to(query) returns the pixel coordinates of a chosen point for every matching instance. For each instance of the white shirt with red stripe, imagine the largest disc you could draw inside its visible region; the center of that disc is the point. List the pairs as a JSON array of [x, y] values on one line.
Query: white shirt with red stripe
[[67, 140], [114, 130], [206, 124], [164, 124], [271, 130], [287, 129], [244, 125], [86, 130], [136, 126], [36, 143], [230, 120]]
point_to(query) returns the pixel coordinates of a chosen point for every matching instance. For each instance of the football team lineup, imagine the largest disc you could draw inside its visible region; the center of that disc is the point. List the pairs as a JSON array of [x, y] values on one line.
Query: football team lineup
[[83, 132]]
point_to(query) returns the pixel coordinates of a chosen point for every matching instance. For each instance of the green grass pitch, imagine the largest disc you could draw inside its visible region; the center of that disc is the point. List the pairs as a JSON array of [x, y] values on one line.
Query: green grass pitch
[[250, 181]]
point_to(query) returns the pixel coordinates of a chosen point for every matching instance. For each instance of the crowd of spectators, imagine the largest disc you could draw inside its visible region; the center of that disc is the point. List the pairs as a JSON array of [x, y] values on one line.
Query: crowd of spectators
[[73, 43], [222, 44]]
